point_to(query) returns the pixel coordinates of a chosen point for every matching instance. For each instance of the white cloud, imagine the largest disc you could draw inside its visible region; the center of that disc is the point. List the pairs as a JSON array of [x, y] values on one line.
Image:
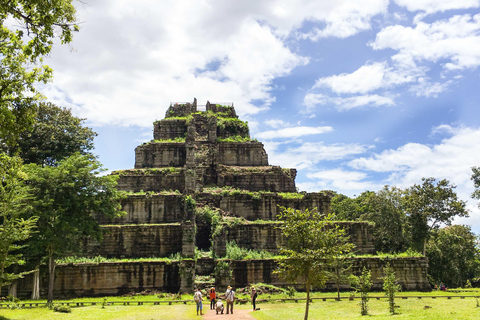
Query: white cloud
[[455, 41], [132, 58], [308, 154], [311, 100], [339, 179], [277, 123], [424, 88], [347, 18], [451, 159], [432, 6], [293, 132], [370, 77], [365, 79]]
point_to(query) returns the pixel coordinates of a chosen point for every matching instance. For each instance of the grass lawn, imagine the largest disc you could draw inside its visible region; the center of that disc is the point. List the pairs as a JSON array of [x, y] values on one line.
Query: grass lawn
[[146, 312], [443, 308], [411, 308]]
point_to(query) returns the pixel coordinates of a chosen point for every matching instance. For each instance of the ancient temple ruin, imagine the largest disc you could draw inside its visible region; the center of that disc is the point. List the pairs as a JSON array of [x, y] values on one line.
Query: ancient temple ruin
[[201, 183]]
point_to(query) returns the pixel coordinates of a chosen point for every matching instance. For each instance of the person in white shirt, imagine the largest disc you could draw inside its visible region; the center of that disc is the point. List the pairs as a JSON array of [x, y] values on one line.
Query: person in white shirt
[[230, 297], [219, 306], [198, 300]]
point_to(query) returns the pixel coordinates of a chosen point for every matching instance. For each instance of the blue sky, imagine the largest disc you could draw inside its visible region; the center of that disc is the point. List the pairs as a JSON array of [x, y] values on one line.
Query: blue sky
[[355, 94]]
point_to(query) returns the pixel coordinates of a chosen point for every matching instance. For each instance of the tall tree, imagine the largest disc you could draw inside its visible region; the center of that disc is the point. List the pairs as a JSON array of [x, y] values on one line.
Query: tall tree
[[312, 244], [476, 183], [350, 209], [56, 134], [13, 228], [453, 255], [385, 209], [428, 205], [65, 198], [28, 29]]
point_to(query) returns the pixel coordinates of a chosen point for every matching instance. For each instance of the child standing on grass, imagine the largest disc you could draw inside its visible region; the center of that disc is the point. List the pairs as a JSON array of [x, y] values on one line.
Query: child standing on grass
[[198, 300]]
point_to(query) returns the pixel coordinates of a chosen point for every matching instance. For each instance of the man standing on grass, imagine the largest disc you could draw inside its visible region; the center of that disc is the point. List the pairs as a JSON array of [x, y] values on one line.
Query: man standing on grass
[[198, 300], [230, 297]]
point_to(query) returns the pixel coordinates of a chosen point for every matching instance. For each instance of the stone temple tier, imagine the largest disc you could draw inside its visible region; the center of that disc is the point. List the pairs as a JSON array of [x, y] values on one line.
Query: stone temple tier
[[202, 184]]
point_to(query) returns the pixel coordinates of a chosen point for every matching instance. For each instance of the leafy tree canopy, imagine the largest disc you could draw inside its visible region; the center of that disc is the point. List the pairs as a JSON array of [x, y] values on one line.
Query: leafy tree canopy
[[13, 228], [56, 134], [312, 244], [66, 197], [28, 29], [453, 255], [476, 183], [430, 204]]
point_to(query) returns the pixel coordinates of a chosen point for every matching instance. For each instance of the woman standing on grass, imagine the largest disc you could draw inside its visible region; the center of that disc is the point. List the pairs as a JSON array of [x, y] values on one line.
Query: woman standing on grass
[[213, 297]]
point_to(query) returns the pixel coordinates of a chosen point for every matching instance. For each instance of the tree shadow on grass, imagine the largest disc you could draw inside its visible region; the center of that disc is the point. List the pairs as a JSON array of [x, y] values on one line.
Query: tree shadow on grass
[[4, 318]]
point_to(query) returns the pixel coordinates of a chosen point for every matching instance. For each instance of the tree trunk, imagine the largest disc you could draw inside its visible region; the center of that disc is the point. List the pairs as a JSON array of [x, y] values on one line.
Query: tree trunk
[[337, 272], [36, 284], [12, 291], [51, 277], [308, 300]]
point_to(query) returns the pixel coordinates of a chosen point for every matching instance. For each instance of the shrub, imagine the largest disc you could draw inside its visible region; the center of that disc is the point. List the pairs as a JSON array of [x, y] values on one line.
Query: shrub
[[61, 308]]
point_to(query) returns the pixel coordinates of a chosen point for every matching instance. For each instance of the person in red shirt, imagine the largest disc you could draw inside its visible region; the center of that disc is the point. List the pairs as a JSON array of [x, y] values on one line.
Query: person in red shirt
[[213, 297]]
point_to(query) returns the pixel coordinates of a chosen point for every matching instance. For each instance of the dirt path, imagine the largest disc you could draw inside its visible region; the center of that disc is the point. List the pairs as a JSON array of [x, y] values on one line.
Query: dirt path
[[237, 314]]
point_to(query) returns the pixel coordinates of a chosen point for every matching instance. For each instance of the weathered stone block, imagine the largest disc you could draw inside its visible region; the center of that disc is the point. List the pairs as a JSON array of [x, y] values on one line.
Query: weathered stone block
[[169, 129], [146, 208], [108, 278], [135, 241], [154, 154], [242, 154], [270, 178], [152, 182]]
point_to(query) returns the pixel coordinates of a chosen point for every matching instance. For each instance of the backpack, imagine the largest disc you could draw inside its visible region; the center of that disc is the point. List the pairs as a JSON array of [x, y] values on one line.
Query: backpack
[[196, 297]]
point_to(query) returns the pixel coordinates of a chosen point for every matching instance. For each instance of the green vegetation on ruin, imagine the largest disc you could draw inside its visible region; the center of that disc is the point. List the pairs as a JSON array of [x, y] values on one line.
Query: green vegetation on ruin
[[153, 193], [100, 259], [237, 138], [291, 195], [229, 191], [235, 252], [148, 171], [407, 254], [174, 140], [140, 225]]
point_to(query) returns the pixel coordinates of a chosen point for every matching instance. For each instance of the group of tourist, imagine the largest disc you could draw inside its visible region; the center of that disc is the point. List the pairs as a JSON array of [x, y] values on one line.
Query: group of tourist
[[217, 304]]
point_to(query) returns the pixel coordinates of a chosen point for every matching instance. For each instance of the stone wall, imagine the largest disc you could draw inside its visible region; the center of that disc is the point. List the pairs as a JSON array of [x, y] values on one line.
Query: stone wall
[[410, 272], [267, 236], [169, 129], [272, 179], [135, 241], [151, 182], [266, 207], [117, 278], [147, 208], [108, 278], [242, 154], [153, 155]]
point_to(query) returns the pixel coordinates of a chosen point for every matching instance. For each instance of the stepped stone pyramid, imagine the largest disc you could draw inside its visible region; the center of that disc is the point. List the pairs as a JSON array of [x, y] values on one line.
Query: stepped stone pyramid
[[202, 182]]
